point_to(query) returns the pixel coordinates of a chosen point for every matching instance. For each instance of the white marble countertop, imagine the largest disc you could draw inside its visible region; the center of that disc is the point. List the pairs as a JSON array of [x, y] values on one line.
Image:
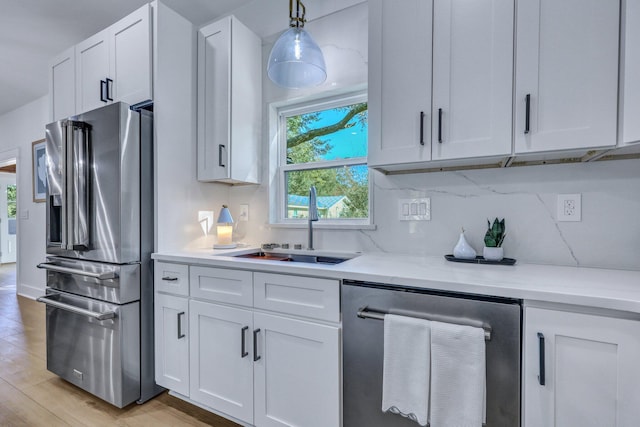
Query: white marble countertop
[[593, 287]]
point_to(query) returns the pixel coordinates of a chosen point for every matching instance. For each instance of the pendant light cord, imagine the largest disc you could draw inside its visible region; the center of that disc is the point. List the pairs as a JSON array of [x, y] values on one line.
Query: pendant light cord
[[298, 20]]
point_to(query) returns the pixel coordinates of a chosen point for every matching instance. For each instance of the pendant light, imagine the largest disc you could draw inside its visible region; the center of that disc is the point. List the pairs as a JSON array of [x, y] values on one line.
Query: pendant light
[[296, 61]]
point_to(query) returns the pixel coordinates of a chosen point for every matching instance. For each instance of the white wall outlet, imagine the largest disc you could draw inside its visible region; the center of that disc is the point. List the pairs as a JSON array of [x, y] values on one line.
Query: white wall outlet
[[244, 213], [414, 209], [569, 207]]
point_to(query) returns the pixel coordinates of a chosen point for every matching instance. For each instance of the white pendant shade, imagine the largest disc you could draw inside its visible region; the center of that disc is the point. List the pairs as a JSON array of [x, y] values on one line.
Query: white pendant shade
[[296, 61]]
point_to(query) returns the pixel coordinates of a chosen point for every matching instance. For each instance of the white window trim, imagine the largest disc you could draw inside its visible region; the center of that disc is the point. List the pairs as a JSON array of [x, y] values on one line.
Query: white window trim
[[278, 166]]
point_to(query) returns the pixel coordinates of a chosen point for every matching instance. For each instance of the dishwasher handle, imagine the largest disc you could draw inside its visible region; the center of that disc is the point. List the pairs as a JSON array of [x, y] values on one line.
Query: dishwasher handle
[[77, 310]]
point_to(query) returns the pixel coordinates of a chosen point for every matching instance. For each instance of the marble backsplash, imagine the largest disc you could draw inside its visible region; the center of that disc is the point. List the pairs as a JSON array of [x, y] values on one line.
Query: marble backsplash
[[608, 235]]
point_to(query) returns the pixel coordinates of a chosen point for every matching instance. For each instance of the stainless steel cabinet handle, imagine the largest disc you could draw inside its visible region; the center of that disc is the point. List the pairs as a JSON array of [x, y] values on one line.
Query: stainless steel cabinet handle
[[60, 269], [180, 334], [527, 112], [243, 352], [77, 310], [170, 279], [541, 376], [422, 127], [255, 345]]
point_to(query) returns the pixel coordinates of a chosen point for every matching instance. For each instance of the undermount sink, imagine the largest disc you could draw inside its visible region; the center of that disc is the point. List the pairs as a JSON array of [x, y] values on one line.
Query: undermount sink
[[310, 259]]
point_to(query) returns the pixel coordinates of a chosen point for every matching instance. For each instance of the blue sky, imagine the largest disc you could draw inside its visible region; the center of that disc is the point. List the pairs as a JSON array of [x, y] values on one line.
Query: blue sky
[[347, 143]]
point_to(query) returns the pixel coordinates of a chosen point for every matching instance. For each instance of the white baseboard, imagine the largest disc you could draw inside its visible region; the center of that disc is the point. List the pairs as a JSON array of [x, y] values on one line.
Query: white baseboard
[[29, 291]]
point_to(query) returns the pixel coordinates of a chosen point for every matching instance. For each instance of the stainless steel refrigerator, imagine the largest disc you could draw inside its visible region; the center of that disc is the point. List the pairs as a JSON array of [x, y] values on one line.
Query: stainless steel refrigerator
[[99, 237]]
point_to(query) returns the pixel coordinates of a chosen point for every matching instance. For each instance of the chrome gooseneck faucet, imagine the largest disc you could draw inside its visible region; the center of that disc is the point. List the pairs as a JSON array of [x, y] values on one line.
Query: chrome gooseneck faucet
[[313, 214]]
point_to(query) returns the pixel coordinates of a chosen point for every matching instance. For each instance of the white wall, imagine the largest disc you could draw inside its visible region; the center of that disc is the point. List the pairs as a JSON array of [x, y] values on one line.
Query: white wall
[[608, 235], [18, 129], [179, 196]]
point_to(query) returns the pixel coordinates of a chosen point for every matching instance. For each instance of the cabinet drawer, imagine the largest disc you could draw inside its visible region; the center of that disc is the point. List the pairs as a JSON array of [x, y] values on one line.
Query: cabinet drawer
[[222, 285], [301, 296], [172, 278]]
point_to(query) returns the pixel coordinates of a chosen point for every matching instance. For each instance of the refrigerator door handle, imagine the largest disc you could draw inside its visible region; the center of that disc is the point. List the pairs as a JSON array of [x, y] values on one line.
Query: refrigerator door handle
[[77, 187], [68, 270], [77, 310]]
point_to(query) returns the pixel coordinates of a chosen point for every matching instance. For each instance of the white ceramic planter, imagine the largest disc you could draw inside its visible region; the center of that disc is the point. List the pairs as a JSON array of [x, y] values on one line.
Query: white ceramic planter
[[493, 254]]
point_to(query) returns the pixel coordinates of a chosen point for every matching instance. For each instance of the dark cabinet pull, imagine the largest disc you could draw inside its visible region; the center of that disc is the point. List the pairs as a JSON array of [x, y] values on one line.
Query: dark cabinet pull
[[440, 125], [541, 377], [109, 86], [103, 90], [180, 334], [220, 148], [255, 345], [527, 112], [170, 279], [243, 352], [422, 127]]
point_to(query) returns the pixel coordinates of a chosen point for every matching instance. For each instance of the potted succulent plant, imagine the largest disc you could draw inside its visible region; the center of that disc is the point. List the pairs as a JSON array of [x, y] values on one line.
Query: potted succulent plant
[[493, 239]]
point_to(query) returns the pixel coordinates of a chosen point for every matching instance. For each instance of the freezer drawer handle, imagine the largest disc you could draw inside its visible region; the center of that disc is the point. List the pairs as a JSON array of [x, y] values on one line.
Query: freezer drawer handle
[[77, 310], [366, 313], [59, 269]]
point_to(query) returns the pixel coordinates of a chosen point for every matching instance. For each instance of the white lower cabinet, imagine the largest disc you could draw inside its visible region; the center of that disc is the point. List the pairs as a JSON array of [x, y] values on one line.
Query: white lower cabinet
[[297, 376], [172, 342], [580, 370], [221, 358], [263, 363]]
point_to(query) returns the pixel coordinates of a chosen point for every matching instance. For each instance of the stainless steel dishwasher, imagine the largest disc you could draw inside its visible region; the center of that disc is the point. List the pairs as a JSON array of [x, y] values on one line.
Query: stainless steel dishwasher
[[363, 308]]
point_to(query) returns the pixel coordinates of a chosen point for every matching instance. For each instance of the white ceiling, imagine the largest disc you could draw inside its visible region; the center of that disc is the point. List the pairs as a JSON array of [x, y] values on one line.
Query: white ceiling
[[33, 31]]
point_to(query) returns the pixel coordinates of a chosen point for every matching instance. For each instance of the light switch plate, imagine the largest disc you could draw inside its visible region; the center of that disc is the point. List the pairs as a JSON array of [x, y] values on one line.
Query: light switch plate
[[569, 208], [244, 213], [414, 209]]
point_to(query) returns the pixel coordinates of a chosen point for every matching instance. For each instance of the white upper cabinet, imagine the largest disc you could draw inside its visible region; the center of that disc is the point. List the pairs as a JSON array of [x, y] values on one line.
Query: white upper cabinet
[[400, 36], [229, 102], [631, 74], [92, 71], [472, 78], [580, 370], [130, 57], [62, 89], [113, 65], [566, 74], [440, 80]]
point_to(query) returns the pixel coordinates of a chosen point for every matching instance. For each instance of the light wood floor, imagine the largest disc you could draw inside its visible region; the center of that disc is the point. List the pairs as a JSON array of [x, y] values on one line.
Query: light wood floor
[[32, 396]]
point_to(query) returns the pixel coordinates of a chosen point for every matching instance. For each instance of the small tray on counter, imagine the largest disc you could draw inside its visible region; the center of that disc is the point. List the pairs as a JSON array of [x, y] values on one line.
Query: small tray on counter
[[480, 260]]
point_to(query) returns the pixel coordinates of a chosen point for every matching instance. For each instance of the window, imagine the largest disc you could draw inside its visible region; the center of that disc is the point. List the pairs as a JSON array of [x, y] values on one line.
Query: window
[[12, 208], [324, 144]]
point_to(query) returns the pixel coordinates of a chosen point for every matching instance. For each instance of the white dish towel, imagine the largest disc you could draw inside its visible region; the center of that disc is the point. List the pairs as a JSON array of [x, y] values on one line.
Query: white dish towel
[[458, 375], [405, 378]]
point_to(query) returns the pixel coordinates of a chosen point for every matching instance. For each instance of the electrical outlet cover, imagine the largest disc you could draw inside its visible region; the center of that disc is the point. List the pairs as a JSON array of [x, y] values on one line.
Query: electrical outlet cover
[[569, 208]]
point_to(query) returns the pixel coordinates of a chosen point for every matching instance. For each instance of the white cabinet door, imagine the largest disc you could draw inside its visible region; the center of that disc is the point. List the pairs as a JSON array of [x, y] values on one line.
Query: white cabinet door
[[130, 57], [567, 69], [400, 36], [472, 78], [631, 79], [172, 342], [221, 358], [229, 102], [591, 370], [62, 85], [92, 70], [297, 378]]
